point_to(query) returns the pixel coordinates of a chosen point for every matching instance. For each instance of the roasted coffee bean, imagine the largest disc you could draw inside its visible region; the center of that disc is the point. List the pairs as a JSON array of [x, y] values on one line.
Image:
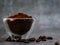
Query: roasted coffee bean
[[44, 36], [38, 40], [16, 37], [40, 37], [50, 38], [12, 35], [56, 43], [31, 39], [26, 41], [44, 39], [21, 40], [13, 40], [8, 39]]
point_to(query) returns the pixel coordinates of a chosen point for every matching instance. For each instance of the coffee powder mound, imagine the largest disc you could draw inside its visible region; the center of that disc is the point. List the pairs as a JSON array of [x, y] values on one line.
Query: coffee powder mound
[[20, 23], [20, 15]]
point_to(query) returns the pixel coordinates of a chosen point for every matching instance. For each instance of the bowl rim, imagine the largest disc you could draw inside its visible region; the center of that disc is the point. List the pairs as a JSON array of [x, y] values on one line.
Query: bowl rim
[[4, 19]]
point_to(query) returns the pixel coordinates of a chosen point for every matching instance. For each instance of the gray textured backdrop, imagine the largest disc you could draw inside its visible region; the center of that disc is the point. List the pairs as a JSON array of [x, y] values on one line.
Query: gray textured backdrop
[[46, 13]]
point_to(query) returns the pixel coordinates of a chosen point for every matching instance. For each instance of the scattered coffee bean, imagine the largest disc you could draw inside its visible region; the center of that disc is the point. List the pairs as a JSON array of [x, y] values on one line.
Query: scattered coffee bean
[[31, 39], [40, 37], [17, 40], [38, 40], [13, 40], [50, 38], [26, 41], [16, 37], [43, 36], [12, 35], [8, 39], [21, 40], [44, 39], [56, 43]]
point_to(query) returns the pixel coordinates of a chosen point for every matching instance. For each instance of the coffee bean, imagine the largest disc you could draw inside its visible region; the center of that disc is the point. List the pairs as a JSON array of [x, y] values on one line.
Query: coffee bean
[[44, 39], [56, 43], [13, 40], [40, 37], [16, 37], [31, 39], [21, 40], [12, 35], [8, 39], [50, 38], [26, 41], [44, 36], [17, 40], [38, 40]]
